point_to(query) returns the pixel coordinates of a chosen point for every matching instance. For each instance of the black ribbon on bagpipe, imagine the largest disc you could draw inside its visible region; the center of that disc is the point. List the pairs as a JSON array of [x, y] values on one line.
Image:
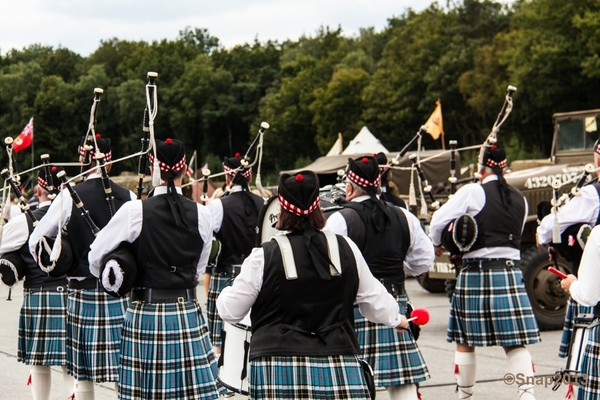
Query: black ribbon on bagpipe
[[143, 161], [452, 178]]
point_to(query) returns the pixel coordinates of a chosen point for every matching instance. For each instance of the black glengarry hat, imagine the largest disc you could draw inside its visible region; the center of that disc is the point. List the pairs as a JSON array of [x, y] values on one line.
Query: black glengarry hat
[[49, 182], [232, 164], [170, 154], [299, 193], [88, 146], [364, 171]]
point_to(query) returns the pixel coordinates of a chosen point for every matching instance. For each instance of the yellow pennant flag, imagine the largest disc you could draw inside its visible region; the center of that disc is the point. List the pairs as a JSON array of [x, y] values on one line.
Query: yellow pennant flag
[[435, 125]]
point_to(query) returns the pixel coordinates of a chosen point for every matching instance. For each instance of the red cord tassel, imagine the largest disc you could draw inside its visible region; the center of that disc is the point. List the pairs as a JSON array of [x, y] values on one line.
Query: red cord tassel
[[569, 392], [533, 366], [455, 369], [71, 397], [419, 395], [29, 380]]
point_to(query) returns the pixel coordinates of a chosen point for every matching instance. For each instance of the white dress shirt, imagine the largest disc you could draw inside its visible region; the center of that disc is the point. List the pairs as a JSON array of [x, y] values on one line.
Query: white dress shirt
[[580, 209], [16, 232], [586, 290], [58, 215], [470, 199], [375, 303], [126, 226], [420, 254]]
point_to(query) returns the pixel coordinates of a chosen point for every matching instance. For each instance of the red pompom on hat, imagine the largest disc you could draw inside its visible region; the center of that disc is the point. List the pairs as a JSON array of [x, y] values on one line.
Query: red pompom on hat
[[237, 155], [98, 136], [299, 178], [54, 169], [169, 141], [365, 160]]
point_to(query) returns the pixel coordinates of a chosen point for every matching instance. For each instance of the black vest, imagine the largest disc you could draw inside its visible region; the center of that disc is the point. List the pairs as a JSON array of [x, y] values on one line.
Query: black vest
[[307, 316], [34, 276], [80, 235], [498, 225], [166, 254], [238, 229], [384, 251]]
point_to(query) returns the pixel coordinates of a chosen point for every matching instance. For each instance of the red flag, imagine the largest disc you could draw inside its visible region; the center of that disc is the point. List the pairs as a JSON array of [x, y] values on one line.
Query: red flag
[[25, 138]]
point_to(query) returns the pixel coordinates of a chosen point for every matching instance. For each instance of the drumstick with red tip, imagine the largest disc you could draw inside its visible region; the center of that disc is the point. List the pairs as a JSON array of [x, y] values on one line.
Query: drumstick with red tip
[[420, 316], [556, 272]]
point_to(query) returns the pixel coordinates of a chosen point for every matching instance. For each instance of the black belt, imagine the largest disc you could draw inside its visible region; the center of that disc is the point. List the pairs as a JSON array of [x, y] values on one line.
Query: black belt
[[487, 263], [87, 283], [150, 295], [45, 289], [233, 270]]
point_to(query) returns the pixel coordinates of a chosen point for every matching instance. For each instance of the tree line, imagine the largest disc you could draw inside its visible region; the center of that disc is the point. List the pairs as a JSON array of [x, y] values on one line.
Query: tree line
[[464, 53]]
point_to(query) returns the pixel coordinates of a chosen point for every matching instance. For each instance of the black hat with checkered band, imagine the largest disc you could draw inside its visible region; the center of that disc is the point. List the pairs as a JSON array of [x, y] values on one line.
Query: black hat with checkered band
[[231, 165], [494, 158], [171, 156], [299, 193], [364, 171], [48, 180], [88, 146]]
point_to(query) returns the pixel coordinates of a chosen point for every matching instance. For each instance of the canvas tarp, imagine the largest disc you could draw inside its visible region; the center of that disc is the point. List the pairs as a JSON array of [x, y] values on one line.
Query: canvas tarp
[[364, 141], [436, 170]]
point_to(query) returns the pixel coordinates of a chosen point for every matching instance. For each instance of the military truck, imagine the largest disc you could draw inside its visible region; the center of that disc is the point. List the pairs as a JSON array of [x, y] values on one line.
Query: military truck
[[572, 148]]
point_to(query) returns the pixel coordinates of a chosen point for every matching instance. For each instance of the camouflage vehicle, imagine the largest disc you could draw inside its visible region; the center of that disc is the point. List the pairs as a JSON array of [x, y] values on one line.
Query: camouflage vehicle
[[572, 148]]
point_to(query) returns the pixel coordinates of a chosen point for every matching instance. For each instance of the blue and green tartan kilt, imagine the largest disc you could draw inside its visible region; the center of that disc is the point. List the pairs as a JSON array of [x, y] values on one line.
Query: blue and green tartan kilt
[[215, 323], [573, 310], [94, 323], [166, 353], [395, 357], [590, 366], [42, 328], [287, 377], [490, 307]]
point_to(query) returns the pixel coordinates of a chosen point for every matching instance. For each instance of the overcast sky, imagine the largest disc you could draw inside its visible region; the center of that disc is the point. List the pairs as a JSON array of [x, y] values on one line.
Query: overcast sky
[[79, 25]]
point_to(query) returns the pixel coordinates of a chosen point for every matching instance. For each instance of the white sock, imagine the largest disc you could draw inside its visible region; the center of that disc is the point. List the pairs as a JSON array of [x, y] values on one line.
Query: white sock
[[84, 390], [403, 392], [519, 360], [465, 367], [69, 381], [41, 382]]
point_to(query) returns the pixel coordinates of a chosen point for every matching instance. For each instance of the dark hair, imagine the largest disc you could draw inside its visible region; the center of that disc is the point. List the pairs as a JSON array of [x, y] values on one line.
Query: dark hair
[[293, 223], [165, 176]]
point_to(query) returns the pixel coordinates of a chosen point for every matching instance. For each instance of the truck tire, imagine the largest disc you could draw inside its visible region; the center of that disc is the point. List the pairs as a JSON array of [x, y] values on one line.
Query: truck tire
[[548, 300], [430, 284]]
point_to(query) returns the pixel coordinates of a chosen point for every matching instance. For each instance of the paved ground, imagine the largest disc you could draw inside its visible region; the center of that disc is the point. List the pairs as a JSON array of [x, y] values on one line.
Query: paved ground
[[439, 355]]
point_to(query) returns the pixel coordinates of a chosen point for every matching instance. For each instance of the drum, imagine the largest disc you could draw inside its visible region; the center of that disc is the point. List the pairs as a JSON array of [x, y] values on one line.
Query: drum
[[234, 365], [267, 218]]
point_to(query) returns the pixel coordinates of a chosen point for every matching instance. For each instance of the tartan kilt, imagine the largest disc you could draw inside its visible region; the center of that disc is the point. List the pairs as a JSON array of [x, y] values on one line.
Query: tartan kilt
[[590, 366], [573, 310], [490, 307], [94, 323], [166, 353], [395, 357], [42, 328], [215, 323], [290, 377]]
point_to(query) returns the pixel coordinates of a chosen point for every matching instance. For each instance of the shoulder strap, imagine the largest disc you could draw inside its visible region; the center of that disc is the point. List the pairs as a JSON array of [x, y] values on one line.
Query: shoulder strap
[[404, 228], [287, 255]]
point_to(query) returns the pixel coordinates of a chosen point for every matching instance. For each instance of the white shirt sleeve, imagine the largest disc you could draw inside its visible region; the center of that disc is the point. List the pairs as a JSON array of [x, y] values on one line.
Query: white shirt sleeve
[[336, 223], [580, 209], [216, 209], [124, 226], [586, 290], [14, 234], [420, 254], [235, 301], [469, 199], [57, 216], [205, 228]]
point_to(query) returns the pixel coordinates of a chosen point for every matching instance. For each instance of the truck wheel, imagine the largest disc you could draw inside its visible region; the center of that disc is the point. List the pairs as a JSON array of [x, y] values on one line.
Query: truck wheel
[[548, 300], [449, 286], [430, 284]]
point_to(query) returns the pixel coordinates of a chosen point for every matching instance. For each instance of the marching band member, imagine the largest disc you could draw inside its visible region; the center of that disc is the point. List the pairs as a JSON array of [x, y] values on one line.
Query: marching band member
[[586, 292], [94, 318], [392, 241], [581, 209], [302, 298], [42, 322], [490, 306], [235, 217], [165, 346]]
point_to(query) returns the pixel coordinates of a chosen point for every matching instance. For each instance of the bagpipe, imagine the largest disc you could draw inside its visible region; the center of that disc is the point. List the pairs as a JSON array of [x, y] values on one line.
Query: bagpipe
[[460, 234]]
